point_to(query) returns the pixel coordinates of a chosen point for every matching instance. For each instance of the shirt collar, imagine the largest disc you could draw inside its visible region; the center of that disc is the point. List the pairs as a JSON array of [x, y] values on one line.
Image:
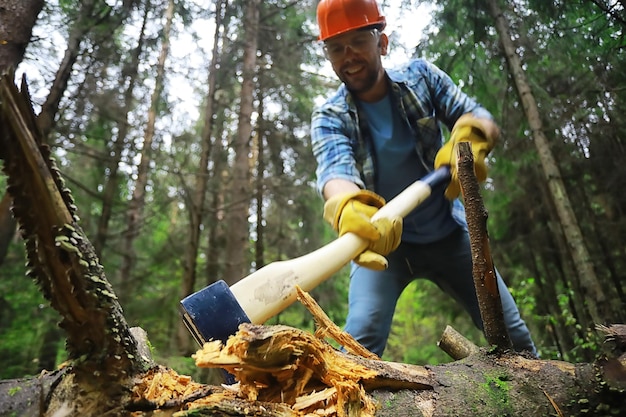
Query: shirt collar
[[349, 103]]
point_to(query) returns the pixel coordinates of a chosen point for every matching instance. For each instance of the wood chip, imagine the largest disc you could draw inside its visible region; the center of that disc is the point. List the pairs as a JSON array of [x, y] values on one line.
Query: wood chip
[[160, 385]]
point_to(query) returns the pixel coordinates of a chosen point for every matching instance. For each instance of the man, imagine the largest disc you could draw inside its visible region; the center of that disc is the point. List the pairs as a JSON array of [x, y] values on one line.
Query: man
[[376, 135]]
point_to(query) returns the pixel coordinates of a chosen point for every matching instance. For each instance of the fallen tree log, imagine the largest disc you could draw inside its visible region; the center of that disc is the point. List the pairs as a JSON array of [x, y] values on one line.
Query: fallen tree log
[[274, 363], [280, 364]]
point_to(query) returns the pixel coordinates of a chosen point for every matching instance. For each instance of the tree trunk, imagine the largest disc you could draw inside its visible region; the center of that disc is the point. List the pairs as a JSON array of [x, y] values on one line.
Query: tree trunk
[[119, 140], [50, 107], [284, 361], [17, 19], [101, 348], [598, 304], [89, 16], [7, 225], [259, 185], [134, 215], [237, 239], [197, 196]]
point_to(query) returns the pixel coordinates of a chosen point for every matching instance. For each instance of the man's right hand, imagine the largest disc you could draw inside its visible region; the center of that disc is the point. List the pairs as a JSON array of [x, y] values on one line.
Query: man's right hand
[[352, 213]]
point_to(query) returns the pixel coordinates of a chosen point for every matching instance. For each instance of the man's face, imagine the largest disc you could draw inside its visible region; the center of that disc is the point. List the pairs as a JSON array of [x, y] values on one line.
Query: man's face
[[355, 58]]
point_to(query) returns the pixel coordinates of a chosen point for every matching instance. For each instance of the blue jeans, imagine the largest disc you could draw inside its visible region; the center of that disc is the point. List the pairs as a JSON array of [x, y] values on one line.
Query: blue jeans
[[448, 263]]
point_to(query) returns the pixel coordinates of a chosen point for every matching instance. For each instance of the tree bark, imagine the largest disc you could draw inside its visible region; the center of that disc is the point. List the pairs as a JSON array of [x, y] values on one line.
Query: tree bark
[[259, 184], [483, 271], [17, 18], [455, 345], [7, 225]]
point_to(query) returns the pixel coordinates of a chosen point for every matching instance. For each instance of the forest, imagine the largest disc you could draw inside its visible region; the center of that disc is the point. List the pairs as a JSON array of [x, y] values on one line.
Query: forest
[[182, 129]]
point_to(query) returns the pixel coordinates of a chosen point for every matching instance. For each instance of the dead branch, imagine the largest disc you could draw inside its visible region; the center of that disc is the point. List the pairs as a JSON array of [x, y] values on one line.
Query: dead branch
[[456, 345], [484, 274]]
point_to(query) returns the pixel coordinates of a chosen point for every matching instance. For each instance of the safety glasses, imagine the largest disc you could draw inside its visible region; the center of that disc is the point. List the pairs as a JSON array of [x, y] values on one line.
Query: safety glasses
[[359, 42]]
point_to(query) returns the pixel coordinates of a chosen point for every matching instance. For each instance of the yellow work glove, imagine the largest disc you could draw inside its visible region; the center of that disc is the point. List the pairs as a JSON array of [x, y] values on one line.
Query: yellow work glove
[[352, 213], [466, 129]]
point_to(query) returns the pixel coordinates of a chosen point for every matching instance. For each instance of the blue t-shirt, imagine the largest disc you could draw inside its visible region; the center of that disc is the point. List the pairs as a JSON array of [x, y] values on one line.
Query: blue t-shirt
[[398, 166]]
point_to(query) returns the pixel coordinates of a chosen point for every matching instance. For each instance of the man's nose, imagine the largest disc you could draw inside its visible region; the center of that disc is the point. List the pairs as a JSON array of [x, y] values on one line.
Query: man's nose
[[348, 51]]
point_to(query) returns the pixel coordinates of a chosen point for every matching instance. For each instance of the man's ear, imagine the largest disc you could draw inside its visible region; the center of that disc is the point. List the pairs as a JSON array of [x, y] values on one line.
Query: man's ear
[[383, 43]]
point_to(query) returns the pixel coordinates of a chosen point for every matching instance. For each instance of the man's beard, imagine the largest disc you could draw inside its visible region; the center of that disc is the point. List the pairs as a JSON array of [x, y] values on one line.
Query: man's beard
[[360, 85]]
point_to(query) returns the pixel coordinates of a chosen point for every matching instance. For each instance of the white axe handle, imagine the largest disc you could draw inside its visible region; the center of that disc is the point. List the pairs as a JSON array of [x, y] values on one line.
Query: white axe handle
[[269, 290]]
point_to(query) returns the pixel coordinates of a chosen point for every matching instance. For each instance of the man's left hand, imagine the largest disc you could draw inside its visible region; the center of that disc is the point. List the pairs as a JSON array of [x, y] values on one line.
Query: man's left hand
[[482, 135]]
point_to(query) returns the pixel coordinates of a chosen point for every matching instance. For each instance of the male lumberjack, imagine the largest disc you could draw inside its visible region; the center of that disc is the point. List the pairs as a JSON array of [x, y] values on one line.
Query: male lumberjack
[[377, 134]]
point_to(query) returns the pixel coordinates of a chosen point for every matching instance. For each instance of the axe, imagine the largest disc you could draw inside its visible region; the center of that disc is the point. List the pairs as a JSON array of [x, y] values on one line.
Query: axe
[[216, 311]]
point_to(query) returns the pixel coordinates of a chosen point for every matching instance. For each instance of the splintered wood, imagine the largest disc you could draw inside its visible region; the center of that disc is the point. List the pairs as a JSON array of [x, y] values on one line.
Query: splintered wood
[[280, 364], [163, 390], [326, 327], [283, 364], [161, 385]]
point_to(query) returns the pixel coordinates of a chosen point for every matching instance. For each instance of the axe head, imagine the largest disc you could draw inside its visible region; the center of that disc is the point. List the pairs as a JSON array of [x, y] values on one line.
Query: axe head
[[212, 313]]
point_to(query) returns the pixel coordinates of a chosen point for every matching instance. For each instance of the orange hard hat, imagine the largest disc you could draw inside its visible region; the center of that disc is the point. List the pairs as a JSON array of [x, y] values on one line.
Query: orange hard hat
[[335, 17]]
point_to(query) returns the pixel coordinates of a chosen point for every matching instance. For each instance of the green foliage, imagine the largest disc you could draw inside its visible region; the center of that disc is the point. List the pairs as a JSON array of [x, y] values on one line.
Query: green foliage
[[422, 314], [25, 316]]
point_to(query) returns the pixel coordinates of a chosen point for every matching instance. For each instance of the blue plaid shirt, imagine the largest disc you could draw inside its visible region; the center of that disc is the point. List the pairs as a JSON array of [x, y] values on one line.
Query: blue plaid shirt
[[424, 95]]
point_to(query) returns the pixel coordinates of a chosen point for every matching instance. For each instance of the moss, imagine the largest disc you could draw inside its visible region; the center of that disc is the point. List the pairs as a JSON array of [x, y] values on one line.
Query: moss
[[496, 388]]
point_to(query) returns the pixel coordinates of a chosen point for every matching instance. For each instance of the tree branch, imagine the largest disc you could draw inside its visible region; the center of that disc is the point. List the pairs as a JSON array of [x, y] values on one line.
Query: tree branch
[[483, 270]]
